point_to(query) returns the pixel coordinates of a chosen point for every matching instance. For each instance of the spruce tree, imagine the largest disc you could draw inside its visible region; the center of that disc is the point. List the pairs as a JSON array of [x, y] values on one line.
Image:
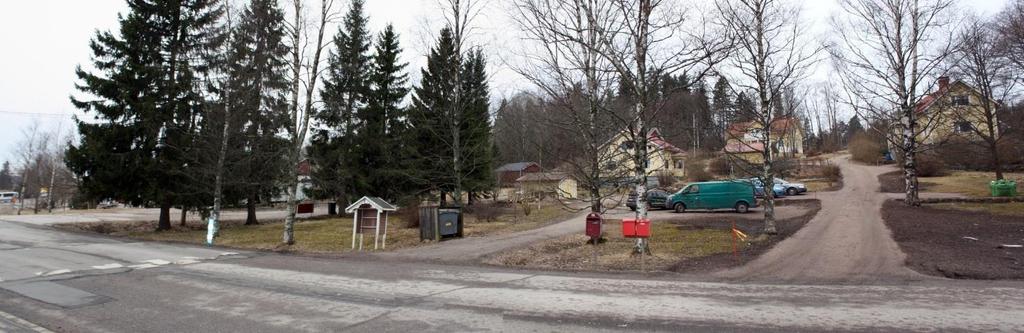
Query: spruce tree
[[344, 94], [380, 140], [145, 100], [432, 116], [476, 124], [6, 177]]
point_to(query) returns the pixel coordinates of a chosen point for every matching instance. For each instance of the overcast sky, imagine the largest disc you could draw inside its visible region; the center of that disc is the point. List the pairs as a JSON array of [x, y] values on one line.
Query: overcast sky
[[44, 41]]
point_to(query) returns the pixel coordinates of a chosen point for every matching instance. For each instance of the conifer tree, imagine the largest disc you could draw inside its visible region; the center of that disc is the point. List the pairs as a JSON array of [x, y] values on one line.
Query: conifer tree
[[477, 125], [344, 94], [384, 122], [432, 117], [145, 99]]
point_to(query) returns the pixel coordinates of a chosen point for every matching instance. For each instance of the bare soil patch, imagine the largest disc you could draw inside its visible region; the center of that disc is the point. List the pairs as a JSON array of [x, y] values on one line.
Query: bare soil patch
[[701, 244], [892, 182], [956, 243]]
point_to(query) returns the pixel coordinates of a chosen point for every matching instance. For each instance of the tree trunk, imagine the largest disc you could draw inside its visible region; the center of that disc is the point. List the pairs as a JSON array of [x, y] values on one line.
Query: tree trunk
[[250, 207], [997, 164], [184, 216], [910, 159], [165, 216], [293, 193]]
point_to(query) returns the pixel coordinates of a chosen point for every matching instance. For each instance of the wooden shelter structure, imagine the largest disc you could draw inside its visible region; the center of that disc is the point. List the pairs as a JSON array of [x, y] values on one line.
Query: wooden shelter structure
[[369, 213]]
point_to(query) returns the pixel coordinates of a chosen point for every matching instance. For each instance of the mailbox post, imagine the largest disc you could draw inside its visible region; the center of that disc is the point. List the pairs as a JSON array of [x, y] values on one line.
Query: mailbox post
[[594, 224]]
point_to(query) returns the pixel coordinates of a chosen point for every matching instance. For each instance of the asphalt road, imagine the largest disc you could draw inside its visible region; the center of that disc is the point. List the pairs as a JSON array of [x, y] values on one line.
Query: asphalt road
[[57, 281]]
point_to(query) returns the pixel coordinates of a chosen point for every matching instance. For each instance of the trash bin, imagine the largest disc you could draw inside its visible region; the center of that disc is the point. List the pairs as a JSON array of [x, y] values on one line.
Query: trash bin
[[1003, 188], [438, 223], [594, 221]]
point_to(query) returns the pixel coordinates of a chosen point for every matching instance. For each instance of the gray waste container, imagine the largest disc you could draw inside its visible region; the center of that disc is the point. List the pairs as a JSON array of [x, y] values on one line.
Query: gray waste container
[[440, 223]]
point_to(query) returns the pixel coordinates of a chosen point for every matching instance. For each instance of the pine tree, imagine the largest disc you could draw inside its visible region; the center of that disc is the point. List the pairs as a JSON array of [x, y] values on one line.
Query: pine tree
[[145, 99], [432, 117], [476, 125], [722, 103], [6, 177], [745, 108], [344, 94], [255, 91], [380, 139]]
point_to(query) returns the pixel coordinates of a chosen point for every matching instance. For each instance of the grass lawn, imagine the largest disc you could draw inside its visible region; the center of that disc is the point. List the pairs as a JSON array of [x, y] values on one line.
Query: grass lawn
[[332, 235], [670, 243], [969, 183], [1007, 209]]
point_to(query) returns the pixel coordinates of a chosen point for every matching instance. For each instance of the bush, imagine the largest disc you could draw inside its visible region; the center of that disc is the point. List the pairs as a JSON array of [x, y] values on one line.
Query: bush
[[486, 212], [786, 168], [695, 172], [866, 149], [665, 178], [720, 166], [410, 214], [831, 173], [930, 166]]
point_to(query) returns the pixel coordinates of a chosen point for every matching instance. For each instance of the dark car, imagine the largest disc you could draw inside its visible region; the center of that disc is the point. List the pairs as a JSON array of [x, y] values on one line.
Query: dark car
[[656, 199]]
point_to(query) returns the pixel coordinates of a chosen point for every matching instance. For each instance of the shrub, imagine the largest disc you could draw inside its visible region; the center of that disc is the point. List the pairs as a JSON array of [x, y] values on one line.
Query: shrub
[[865, 149], [930, 166], [831, 173], [486, 212], [665, 178], [720, 166], [695, 172], [410, 214], [786, 167]]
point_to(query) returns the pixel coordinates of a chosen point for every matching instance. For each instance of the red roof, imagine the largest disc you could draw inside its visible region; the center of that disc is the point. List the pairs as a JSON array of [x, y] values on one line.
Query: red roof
[[780, 126], [654, 136], [743, 147]]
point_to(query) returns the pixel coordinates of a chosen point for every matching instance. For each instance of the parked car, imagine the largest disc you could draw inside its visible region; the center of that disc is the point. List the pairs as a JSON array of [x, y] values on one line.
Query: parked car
[[735, 194], [778, 190], [656, 199], [791, 188], [8, 197]]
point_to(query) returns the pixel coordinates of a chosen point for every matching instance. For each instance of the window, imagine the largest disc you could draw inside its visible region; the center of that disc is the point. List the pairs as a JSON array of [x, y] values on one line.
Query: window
[[964, 126], [963, 100], [694, 189]]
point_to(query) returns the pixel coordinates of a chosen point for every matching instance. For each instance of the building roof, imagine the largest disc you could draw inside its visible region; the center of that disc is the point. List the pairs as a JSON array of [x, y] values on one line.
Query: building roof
[[743, 147], [375, 202], [518, 166], [780, 126], [943, 88], [654, 136], [543, 177]]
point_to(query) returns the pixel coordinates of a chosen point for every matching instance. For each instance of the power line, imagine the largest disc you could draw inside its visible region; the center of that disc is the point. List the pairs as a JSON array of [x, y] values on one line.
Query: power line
[[41, 114]]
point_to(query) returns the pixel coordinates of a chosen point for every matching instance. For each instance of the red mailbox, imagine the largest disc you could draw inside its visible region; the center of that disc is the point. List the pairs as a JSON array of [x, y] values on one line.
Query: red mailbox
[[636, 228], [594, 222]]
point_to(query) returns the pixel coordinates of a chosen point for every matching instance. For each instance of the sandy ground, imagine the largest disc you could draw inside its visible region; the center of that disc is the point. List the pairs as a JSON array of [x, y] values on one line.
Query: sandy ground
[[847, 242]]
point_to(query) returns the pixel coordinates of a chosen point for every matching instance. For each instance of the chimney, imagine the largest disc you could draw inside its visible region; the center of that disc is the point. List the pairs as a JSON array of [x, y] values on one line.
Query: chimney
[[943, 83]]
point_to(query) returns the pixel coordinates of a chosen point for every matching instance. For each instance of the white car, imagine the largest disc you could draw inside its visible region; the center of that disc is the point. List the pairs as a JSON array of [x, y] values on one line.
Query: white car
[[8, 197], [791, 188]]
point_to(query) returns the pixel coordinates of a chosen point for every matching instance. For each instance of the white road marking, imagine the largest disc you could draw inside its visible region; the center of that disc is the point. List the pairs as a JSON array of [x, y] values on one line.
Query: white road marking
[[108, 266], [186, 262], [56, 272], [229, 254], [143, 266], [157, 262]]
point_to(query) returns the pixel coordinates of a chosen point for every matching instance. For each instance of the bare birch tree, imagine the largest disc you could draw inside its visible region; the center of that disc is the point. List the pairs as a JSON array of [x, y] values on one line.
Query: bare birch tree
[[648, 38], [564, 63], [886, 52], [981, 61], [772, 53], [305, 71]]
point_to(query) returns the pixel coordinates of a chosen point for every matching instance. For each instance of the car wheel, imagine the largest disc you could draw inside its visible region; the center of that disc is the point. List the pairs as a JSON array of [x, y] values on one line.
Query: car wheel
[[791, 191], [679, 207], [742, 207]]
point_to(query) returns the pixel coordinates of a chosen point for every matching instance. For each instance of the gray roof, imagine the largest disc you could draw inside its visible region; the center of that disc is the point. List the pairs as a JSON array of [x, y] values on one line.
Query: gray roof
[[376, 202], [518, 166], [543, 177]]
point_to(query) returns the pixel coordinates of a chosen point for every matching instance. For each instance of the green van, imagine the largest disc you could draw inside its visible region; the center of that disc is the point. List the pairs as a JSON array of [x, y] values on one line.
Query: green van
[[737, 194]]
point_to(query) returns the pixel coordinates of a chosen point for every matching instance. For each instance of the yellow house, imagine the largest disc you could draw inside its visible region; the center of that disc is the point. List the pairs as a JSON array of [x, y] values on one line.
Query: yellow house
[[661, 156], [743, 139], [558, 184], [954, 110]]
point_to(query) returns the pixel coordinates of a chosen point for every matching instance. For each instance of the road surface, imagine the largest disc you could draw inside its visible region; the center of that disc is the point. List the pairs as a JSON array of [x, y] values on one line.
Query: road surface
[[846, 242], [56, 281]]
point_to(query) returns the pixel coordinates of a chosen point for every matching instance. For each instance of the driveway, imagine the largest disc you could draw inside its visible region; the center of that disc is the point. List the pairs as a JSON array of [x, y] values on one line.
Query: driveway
[[847, 242]]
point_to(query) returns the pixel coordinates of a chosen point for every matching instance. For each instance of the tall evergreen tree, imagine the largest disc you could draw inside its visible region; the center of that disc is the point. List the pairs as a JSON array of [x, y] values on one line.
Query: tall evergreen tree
[[722, 103], [344, 94], [256, 92], [6, 177], [476, 125], [432, 104], [145, 99], [380, 139]]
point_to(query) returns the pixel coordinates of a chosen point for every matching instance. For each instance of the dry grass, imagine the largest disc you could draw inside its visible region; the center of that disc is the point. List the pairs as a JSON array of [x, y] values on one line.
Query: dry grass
[[670, 243], [316, 236], [821, 186], [969, 183], [333, 235], [1007, 209]]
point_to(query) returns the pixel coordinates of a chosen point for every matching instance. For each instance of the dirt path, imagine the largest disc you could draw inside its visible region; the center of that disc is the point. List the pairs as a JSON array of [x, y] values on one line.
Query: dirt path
[[847, 242]]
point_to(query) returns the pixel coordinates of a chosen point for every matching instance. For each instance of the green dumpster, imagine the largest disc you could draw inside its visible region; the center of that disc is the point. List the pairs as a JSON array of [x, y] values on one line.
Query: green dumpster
[[1003, 188]]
